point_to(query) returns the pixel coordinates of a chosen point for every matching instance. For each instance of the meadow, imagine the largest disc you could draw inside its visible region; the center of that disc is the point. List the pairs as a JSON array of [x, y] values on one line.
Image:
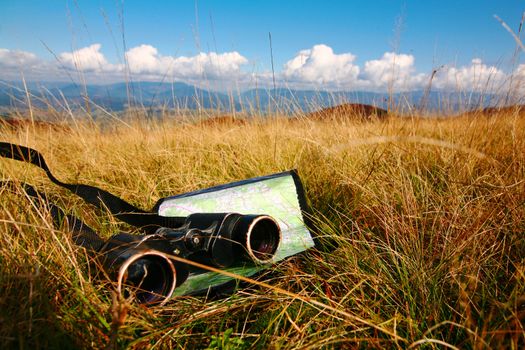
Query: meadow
[[422, 221]]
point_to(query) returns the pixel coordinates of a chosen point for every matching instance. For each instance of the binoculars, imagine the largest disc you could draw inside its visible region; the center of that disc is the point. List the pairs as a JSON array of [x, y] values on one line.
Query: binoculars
[[143, 265], [151, 266]]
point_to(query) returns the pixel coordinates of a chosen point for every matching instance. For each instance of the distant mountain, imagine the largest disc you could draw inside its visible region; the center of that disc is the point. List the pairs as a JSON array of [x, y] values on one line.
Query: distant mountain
[[119, 96], [287, 100], [116, 97]]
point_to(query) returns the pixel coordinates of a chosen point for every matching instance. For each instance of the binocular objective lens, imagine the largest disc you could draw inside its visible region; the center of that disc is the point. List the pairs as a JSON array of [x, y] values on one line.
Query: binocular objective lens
[[264, 238], [150, 279]]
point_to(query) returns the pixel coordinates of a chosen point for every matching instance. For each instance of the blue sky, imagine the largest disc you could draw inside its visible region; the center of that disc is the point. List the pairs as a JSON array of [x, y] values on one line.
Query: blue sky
[[428, 33]]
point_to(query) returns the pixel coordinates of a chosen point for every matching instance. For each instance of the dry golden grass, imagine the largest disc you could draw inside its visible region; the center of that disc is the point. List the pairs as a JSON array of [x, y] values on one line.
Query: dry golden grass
[[426, 218]]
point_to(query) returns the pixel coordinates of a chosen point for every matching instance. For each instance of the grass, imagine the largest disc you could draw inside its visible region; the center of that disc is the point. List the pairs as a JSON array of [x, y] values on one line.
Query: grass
[[427, 217]]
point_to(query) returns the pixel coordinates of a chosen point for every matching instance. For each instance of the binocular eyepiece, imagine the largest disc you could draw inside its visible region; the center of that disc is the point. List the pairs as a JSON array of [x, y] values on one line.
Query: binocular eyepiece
[[144, 265]]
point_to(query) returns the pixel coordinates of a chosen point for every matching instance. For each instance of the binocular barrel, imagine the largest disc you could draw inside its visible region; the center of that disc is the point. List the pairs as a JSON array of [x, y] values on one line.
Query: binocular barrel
[[144, 265], [231, 238], [147, 273], [259, 237]]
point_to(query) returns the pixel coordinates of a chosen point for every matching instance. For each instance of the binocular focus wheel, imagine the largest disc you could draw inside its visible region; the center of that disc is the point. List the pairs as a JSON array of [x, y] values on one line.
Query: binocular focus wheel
[[155, 283]]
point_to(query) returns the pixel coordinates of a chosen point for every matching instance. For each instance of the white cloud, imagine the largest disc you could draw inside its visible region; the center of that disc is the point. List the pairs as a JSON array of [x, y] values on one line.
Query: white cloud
[[519, 76], [323, 68], [87, 59], [146, 59], [209, 65], [16, 58], [315, 68], [476, 76], [392, 70]]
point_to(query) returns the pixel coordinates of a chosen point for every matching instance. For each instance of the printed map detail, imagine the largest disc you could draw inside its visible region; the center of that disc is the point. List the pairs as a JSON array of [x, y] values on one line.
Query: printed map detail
[[274, 196]]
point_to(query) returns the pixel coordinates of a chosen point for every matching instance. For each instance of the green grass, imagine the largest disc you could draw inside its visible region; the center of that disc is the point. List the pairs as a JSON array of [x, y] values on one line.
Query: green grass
[[427, 216]]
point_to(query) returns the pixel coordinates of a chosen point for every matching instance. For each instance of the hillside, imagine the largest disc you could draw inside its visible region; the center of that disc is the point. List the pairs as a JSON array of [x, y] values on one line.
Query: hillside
[[120, 96], [421, 220]]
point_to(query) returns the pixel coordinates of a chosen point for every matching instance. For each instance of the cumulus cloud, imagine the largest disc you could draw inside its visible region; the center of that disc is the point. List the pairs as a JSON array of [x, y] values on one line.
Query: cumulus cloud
[[146, 59], [392, 70], [519, 77], [16, 58], [318, 67], [322, 67], [144, 63], [87, 59], [15, 63], [476, 76]]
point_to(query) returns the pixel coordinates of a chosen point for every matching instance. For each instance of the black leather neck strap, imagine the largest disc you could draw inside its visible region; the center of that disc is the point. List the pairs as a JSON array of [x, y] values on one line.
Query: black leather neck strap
[[122, 210]]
